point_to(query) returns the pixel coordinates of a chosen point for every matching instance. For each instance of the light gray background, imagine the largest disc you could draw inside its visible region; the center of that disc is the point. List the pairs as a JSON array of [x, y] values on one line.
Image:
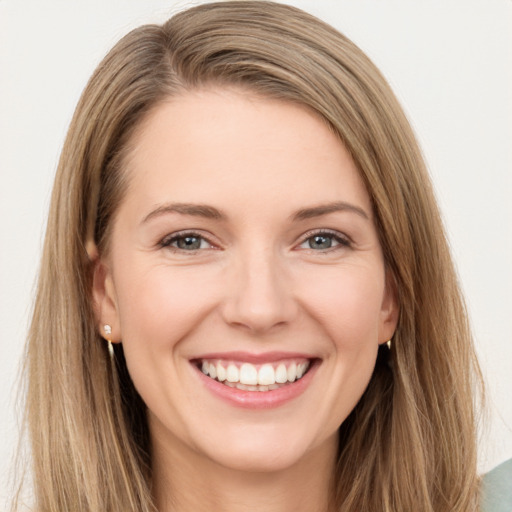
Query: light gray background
[[450, 63]]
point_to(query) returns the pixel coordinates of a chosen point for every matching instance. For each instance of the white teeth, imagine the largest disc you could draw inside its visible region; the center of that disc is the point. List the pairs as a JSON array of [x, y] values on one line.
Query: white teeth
[[248, 374], [249, 378], [292, 372], [281, 374], [232, 374], [221, 373], [266, 375]]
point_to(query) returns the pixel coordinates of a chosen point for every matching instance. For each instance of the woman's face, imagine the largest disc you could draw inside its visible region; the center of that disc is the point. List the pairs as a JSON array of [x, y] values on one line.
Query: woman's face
[[245, 280]]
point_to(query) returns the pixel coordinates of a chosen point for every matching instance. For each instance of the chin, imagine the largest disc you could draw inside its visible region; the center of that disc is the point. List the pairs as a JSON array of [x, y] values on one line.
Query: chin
[[259, 452], [251, 461]]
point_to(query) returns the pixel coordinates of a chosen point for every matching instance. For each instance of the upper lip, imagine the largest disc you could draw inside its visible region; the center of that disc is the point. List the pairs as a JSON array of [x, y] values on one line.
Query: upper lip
[[250, 357]]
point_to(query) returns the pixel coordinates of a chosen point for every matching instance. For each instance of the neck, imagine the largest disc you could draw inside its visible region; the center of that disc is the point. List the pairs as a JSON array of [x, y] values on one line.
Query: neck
[[184, 480]]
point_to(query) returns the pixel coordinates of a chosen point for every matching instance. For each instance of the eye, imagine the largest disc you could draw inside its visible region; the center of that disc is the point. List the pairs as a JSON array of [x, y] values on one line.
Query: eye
[[324, 241], [187, 242]]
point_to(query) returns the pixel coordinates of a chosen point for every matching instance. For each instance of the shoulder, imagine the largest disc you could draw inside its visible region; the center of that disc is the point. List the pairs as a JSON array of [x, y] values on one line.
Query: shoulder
[[497, 489]]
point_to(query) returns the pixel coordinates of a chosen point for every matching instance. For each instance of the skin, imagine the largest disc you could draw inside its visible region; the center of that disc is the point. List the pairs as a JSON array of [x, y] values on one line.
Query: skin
[[257, 283]]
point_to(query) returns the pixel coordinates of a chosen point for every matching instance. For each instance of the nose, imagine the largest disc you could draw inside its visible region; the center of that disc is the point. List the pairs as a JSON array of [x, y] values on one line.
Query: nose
[[259, 294]]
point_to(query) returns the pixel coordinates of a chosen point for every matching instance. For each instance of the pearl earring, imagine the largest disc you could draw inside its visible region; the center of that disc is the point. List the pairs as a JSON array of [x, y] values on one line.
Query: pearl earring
[[108, 332]]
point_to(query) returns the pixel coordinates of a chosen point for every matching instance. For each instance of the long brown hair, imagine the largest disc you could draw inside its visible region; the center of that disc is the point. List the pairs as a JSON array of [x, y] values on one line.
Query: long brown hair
[[410, 442]]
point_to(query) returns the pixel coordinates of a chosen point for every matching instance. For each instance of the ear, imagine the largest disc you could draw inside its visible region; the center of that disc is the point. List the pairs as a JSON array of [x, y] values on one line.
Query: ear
[[389, 310], [104, 299]]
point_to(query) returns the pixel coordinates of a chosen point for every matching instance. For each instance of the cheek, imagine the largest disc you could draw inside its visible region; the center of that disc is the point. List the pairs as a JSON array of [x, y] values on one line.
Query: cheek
[[347, 305], [347, 302], [160, 306]]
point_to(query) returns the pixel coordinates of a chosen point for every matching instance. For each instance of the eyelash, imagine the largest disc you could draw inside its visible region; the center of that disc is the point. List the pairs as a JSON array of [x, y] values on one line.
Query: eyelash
[[342, 241], [175, 237]]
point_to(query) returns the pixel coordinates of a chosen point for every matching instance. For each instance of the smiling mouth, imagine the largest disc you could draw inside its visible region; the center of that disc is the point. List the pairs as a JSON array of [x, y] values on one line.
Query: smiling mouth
[[250, 377]]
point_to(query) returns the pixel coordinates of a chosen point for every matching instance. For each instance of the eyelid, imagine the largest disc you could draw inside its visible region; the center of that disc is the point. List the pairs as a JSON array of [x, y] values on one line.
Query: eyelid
[[167, 240], [343, 239]]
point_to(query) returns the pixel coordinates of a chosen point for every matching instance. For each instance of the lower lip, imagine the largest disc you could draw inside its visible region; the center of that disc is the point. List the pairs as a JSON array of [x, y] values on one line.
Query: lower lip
[[259, 399]]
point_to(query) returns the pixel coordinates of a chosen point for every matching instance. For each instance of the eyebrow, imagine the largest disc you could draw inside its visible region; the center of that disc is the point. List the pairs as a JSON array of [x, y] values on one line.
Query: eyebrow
[[210, 212], [196, 210], [324, 209]]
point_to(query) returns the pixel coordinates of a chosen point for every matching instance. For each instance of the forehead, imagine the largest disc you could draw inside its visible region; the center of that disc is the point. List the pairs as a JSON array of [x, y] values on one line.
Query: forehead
[[201, 143]]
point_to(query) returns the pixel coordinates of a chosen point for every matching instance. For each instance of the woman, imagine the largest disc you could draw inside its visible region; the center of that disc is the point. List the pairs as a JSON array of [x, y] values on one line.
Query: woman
[[246, 298]]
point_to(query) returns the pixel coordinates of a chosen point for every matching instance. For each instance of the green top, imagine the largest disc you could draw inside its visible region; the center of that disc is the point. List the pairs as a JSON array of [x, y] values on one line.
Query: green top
[[497, 489]]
